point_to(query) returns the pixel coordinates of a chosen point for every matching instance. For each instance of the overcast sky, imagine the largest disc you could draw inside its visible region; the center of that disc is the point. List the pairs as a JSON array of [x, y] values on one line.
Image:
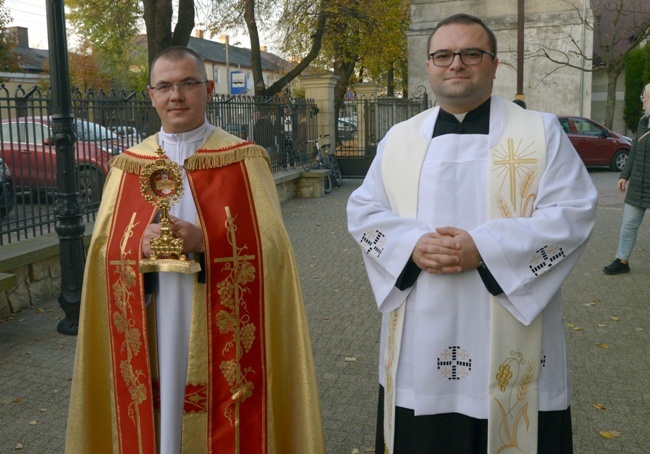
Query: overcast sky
[[30, 14]]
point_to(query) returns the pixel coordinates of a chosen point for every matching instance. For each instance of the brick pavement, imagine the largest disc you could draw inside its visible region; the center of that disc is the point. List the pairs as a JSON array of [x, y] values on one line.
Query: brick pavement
[[36, 361]]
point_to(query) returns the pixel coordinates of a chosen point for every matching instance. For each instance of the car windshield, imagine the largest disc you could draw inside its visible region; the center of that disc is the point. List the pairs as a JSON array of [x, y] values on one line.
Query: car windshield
[[92, 132]]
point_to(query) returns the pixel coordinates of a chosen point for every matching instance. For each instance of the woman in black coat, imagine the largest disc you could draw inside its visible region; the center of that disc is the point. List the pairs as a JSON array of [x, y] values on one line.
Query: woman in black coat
[[636, 175]]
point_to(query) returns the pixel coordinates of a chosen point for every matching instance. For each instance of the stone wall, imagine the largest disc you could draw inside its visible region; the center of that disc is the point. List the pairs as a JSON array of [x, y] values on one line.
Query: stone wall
[[551, 25]]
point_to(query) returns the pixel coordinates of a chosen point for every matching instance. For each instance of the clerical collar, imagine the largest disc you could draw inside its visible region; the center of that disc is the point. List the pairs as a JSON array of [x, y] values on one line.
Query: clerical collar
[[475, 121], [194, 135]]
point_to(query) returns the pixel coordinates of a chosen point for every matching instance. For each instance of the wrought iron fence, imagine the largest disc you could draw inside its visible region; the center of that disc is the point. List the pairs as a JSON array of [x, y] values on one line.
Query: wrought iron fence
[[364, 121], [107, 124]]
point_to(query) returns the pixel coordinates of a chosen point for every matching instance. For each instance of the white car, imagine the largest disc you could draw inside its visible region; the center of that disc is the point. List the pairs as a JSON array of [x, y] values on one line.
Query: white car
[[128, 134]]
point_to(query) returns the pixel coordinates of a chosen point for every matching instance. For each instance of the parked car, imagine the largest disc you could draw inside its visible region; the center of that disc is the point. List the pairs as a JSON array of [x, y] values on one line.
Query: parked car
[[7, 194], [128, 135], [107, 140], [28, 150], [597, 145], [347, 130]]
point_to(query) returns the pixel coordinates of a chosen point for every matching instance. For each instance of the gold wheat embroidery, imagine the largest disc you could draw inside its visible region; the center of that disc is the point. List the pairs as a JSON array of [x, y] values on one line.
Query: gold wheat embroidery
[[235, 319], [513, 406], [518, 172], [123, 320]]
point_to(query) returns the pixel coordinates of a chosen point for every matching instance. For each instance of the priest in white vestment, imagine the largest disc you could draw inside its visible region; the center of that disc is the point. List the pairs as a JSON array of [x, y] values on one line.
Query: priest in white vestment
[[445, 260]]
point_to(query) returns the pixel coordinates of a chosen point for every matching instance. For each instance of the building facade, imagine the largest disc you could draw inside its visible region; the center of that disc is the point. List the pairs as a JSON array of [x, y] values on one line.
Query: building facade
[[558, 28]]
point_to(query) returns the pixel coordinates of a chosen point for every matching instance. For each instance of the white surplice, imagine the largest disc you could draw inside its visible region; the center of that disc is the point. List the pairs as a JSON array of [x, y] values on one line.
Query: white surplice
[[174, 303], [444, 360]]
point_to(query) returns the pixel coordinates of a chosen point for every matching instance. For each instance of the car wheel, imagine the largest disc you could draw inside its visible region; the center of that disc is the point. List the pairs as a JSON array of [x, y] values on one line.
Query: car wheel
[[91, 183], [619, 160]]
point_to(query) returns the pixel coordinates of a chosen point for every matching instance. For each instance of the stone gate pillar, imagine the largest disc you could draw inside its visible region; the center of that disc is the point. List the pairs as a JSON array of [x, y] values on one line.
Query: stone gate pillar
[[320, 88]]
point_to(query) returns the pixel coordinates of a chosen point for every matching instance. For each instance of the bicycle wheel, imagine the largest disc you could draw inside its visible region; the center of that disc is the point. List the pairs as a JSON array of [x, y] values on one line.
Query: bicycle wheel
[[328, 184], [304, 160], [336, 171]]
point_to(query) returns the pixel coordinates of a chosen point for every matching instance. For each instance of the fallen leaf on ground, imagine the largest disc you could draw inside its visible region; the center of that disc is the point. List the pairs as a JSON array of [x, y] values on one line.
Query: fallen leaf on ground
[[609, 434], [355, 451], [639, 329], [577, 328], [33, 422], [350, 358], [603, 345], [601, 325], [19, 446], [570, 325], [599, 407], [615, 318], [17, 399]]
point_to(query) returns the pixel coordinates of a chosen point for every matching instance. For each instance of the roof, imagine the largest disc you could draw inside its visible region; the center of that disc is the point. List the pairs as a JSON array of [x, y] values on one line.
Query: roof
[[32, 60], [215, 52]]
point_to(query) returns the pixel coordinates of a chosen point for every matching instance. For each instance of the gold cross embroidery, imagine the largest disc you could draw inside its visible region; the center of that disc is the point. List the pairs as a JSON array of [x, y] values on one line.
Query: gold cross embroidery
[[511, 162], [128, 233]]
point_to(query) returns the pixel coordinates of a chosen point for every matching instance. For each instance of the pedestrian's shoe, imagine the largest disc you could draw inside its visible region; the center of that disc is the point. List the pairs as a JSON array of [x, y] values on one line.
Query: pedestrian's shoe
[[617, 267]]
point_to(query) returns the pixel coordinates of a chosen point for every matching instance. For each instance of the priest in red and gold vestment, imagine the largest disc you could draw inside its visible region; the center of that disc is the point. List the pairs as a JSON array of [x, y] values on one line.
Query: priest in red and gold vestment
[[218, 361]]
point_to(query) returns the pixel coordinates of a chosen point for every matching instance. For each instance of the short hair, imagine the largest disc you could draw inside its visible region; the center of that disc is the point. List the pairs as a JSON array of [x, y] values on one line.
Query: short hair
[[176, 53], [465, 19], [520, 102]]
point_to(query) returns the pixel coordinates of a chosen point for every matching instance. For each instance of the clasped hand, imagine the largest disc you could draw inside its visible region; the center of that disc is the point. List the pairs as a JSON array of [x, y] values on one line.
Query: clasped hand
[[445, 251], [191, 235]]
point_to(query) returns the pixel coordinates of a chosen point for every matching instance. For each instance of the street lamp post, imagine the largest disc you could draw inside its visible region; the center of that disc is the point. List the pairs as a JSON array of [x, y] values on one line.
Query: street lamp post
[[68, 209], [520, 50]]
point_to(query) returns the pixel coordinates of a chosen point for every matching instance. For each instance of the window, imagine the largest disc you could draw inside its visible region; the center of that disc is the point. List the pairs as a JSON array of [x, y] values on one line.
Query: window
[[565, 125], [587, 128]]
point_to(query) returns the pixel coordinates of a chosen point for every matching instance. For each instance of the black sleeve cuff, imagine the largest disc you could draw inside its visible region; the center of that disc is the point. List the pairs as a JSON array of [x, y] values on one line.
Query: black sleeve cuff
[[201, 259], [490, 283], [150, 282], [408, 276]]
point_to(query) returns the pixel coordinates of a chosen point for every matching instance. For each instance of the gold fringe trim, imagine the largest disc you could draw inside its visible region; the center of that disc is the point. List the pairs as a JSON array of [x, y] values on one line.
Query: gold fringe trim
[[208, 159], [203, 159], [131, 163]]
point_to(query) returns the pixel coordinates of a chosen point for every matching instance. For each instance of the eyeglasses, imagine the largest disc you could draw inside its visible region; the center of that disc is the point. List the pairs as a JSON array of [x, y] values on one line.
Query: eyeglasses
[[469, 57], [168, 88]]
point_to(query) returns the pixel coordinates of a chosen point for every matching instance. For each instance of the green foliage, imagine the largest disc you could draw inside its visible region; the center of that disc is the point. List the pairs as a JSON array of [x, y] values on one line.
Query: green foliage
[[637, 75], [362, 41], [107, 29], [8, 60]]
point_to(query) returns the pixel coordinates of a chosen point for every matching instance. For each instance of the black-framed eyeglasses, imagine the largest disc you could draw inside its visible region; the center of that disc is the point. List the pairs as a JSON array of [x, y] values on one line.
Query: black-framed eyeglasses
[[186, 85], [469, 57]]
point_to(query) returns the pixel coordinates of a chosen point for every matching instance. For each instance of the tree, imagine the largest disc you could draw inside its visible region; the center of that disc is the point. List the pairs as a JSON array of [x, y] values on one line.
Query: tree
[[158, 15], [618, 27], [107, 29], [7, 42], [637, 65], [238, 15], [364, 40]]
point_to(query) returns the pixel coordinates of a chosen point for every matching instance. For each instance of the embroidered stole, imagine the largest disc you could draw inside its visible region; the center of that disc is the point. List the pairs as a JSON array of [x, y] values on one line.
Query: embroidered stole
[[515, 167], [229, 407]]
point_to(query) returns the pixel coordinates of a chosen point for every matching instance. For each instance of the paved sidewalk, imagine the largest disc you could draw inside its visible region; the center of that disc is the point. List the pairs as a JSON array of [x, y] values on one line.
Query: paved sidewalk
[[611, 311]]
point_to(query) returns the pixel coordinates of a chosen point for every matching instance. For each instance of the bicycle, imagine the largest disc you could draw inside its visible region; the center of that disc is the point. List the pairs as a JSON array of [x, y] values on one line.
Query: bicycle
[[331, 164], [291, 157]]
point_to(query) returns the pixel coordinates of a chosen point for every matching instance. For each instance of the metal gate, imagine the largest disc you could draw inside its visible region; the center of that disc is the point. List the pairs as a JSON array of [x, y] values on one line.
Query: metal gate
[[363, 122]]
